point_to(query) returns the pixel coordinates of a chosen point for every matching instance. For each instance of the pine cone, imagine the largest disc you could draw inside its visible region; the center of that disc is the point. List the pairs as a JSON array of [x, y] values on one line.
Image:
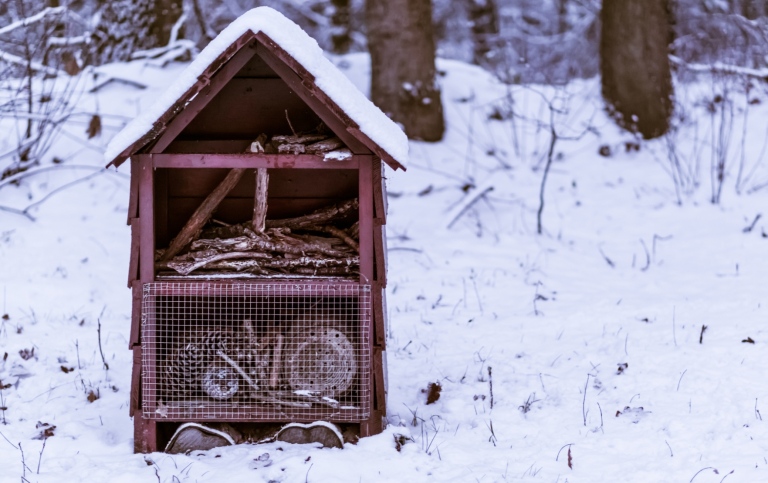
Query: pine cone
[[183, 367]]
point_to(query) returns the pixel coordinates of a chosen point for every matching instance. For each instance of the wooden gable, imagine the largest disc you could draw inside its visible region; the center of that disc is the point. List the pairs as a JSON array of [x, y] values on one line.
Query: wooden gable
[[253, 87]]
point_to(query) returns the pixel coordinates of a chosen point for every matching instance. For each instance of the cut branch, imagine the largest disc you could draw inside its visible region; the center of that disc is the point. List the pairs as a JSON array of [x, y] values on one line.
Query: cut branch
[[284, 263], [203, 213], [338, 233], [720, 68], [318, 217], [260, 200], [470, 200], [185, 267]]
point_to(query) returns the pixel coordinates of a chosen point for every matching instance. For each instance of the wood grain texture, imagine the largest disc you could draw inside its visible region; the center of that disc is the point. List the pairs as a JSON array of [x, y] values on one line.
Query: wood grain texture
[[147, 220], [133, 262], [260, 200], [366, 224], [249, 160]]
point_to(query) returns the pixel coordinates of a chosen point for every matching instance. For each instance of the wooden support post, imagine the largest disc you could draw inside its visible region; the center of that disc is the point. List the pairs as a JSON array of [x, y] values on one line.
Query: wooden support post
[[144, 430], [135, 335], [146, 219], [365, 211], [144, 434], [203, 213], [260, 200]]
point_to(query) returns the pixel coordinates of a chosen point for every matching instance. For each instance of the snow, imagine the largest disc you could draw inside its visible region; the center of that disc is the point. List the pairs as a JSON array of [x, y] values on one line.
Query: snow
[[374, 123], [623, 274]]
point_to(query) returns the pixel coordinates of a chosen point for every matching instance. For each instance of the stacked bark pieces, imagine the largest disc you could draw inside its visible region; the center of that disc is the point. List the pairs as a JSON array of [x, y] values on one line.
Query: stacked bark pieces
[[296, 144], [322, 243]]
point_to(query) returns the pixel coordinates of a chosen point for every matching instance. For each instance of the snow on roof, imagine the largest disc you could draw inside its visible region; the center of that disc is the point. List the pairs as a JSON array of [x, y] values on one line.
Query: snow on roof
[[304, 49]]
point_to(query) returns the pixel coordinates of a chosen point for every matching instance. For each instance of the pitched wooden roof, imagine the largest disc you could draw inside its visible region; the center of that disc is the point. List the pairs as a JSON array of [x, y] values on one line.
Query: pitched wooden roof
[[296, 59]]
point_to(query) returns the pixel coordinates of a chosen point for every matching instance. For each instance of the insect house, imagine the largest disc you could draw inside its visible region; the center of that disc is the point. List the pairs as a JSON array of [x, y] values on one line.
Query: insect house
[[258, 253]]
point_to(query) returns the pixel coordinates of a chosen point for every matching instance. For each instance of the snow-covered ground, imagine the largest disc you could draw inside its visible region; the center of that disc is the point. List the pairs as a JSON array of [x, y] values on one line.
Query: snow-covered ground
[[610, 348]]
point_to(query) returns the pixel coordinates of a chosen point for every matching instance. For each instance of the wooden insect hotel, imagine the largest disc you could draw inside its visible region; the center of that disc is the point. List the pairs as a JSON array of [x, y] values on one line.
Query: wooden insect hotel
[[258, 253]]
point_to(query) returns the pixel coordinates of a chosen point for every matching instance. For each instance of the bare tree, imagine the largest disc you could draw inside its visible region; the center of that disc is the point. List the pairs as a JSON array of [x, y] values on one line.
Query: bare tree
[[341, 29], [39, 54], [634, 64], [403, 83], [483, 18]]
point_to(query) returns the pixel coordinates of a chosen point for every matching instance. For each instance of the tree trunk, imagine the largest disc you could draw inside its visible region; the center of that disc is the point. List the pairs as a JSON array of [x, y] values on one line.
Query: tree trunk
[[485, 28], [341, 31], [634, 64], [126, 26], [402, 45]]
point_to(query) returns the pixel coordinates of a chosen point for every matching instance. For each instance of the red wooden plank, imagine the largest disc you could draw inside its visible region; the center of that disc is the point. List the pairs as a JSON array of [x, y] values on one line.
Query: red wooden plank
[[380, 253], [372, 426], [285, 57], [379, 191], [133, 264], [204, 96], [379, 316], [135, 404], [308, 93], [161, 207], [379, 390], [147, 217], [283, 183], [136, 296], [366, 224], [249, 160], [307, 81], [266, 287], [133, 196], [209, 146], [160, 124], [144, 434], [377, 150], [256, 413]]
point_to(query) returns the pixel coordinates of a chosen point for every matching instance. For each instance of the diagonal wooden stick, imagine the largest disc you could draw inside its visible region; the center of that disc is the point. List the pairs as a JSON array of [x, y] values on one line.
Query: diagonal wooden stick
[[203, 213]]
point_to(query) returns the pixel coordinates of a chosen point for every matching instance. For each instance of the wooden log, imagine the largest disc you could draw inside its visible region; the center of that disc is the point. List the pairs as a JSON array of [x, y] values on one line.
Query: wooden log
[[298, 139], [283, 263], [186, 267], [354, 231], [260, 200], [327, 271], [318, 217], [324, 146], [288, 148], [256, 242], [203, 213], [338, 233]]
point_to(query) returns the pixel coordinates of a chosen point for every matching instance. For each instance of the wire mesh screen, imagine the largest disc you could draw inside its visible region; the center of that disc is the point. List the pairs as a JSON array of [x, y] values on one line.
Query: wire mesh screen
[[256, 351]]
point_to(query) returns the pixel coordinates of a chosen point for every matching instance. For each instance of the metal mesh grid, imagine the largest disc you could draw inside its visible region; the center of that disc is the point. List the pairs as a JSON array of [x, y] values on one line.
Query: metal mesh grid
[[256, 351]]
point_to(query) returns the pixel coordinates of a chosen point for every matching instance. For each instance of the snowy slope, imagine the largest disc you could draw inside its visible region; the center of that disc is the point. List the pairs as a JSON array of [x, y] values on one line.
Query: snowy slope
[[622, 274]]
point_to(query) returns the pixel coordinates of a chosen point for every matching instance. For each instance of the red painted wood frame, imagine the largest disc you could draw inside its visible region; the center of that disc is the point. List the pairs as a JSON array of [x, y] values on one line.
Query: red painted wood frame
[[256, 412], [369, 173]]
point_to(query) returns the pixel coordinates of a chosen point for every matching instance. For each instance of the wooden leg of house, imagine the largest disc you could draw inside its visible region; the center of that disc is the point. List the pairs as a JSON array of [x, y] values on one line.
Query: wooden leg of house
[[144, 434], [375, 424]]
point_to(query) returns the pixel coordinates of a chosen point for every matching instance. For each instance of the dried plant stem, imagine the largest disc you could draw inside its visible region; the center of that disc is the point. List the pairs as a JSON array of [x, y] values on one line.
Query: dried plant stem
[[40, 459], [103, 360], [584, 402], [490, 385], [550, 155]]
